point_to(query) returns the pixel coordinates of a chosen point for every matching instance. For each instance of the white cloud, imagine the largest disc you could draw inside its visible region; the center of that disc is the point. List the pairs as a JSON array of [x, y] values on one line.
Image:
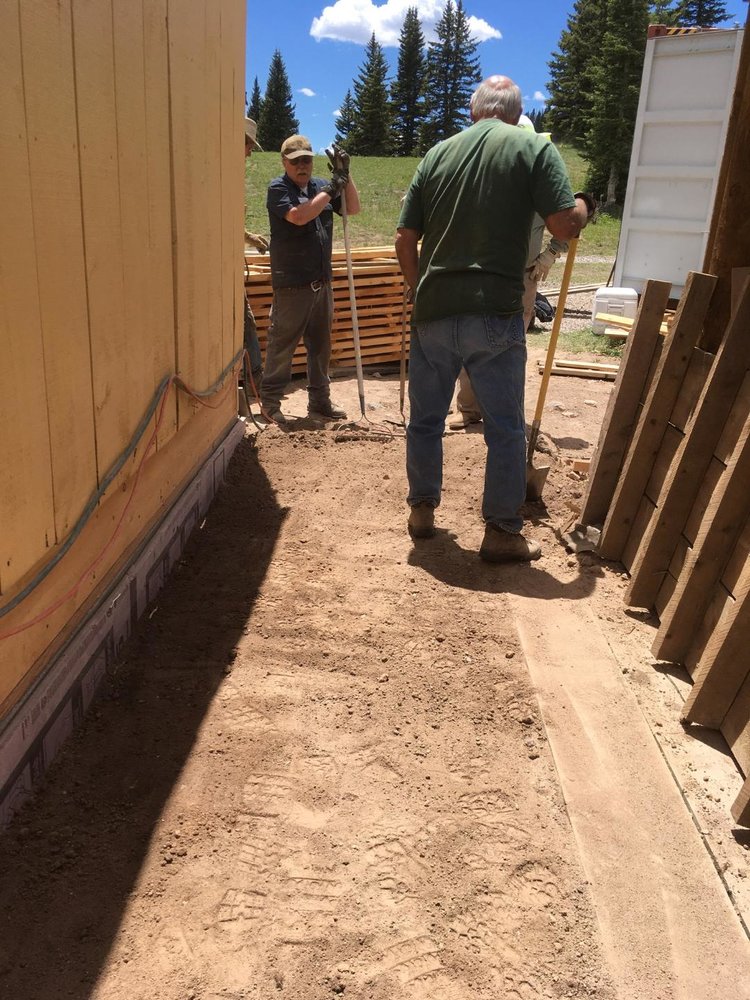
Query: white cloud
[[336, 113], [306, 91], [539, 96], [356, 20]]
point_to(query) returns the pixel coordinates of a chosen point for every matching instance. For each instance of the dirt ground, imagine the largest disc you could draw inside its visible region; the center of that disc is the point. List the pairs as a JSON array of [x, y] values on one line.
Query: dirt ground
[[322, 769]]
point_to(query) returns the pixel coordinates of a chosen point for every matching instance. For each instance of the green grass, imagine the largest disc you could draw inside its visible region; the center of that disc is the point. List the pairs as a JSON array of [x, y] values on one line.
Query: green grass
[[382, 182], [583, 341]]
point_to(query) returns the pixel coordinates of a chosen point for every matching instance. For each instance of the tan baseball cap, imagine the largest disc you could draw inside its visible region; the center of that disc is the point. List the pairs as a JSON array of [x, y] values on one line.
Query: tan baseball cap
[[296, 146], [251, 131]]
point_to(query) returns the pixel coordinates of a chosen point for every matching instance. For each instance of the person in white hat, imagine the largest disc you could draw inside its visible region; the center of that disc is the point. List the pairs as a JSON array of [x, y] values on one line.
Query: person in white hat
[[538, 265]]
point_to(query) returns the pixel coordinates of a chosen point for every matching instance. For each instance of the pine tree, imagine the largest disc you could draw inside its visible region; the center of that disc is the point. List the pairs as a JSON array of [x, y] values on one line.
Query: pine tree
[[452, 75], [256, 103], [277, 116], [406, 93], [572, 69], [537, 118], [701, 13], [371, 133], [663, 12], [345, 121], [617, 84]]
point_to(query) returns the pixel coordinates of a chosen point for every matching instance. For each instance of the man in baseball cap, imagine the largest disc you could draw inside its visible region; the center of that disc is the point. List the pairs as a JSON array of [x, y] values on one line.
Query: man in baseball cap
[[300, 210]]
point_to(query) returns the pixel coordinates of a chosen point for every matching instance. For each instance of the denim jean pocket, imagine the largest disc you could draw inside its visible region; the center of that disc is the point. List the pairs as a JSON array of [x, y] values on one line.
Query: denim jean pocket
[[504, 331]]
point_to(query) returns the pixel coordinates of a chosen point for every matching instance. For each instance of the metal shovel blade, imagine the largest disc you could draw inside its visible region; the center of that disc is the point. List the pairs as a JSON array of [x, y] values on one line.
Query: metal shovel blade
[[535, 480], [536, 477]]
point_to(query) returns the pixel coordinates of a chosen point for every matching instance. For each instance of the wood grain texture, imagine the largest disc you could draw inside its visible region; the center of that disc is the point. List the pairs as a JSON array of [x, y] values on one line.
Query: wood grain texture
[[662, 395], [720, 528], [711, 421], [26, 498], [622, 409], [47, 40]]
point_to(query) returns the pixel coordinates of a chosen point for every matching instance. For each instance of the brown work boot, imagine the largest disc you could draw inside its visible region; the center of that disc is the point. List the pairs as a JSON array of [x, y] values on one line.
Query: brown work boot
[[326, 409], [463, 419], [422, 520], [500, 546]]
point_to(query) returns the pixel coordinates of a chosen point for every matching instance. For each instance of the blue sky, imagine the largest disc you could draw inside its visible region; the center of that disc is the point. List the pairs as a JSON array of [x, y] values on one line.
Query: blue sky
[[323, 46]]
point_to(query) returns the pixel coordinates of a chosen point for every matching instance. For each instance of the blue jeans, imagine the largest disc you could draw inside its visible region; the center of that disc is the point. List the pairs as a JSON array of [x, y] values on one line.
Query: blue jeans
[[493, 351]]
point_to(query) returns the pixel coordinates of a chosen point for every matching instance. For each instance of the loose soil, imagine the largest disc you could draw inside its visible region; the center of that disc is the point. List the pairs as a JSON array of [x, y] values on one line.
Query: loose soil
[[320, 768]]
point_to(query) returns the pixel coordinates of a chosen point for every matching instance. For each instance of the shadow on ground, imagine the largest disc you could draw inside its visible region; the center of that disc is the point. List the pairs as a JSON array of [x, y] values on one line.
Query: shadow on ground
[[72, 856]]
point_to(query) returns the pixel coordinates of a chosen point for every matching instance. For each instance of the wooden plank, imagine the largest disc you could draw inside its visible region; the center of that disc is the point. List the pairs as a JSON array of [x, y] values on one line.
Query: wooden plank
[[218, 345], [231, 153], [736, 727], [720, 602], [702, 501], [189, 114], [238, 34], [647, 437], [642, 518], [736, 575], [728, 243], [734, 422], [26, 499], [160, 296], [116, 374], [692, 461], [664, 595], [696, 376], [46, 34], [722, 669], [739, 276], [620, 417], [625, 322], [724, 521], [669, 445], [132, 169], [741, 806]]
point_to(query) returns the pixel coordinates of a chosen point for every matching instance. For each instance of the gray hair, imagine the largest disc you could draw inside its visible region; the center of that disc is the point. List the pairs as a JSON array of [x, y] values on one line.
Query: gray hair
[[493, 99]]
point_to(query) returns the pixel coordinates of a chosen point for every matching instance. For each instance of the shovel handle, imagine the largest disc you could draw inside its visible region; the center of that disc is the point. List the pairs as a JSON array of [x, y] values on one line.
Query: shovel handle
[[556, 324]]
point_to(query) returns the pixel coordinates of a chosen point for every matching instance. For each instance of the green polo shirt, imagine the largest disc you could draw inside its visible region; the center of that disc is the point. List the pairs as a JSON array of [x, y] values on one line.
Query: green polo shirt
[[472, 199]]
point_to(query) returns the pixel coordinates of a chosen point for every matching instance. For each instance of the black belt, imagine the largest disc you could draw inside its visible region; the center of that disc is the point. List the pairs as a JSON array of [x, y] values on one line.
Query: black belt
[[314, 285]]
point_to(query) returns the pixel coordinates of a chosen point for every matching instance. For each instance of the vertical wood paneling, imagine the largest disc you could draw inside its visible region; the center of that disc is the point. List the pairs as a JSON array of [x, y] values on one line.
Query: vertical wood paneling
[[228, 154], [26, 502], [238, 175], [160, 278], [49, 89], [117, 373], [118, 179], [212, 152], [188, 108], [130, 118]]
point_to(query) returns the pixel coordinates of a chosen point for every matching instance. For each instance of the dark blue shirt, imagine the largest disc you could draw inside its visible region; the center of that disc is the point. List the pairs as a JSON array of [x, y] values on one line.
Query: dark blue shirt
[[299, 254]]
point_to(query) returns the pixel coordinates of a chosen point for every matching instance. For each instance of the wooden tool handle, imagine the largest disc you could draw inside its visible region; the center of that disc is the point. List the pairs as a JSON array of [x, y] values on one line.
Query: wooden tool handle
[[556, 324]]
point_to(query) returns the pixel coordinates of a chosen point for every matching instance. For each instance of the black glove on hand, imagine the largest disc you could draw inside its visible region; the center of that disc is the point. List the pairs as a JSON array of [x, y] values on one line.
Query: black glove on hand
[[336, 185], [338, 159], [591, 205]]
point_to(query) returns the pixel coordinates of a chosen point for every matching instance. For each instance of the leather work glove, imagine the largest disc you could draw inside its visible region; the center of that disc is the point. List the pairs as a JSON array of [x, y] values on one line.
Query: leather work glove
[[338, 159], [336, 185], [257, 241], [591, 205], [541, 265]]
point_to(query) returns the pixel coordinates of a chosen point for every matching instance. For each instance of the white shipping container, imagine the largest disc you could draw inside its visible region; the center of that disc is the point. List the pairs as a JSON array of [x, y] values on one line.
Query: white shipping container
[[615, 302], [686, 96]]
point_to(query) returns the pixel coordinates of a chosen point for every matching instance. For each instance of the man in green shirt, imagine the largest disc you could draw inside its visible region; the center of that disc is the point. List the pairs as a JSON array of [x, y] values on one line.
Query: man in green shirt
[[472, 201]]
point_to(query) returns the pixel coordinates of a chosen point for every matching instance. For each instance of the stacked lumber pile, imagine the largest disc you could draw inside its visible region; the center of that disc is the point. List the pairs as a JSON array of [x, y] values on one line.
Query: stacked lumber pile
[[379, 291]]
